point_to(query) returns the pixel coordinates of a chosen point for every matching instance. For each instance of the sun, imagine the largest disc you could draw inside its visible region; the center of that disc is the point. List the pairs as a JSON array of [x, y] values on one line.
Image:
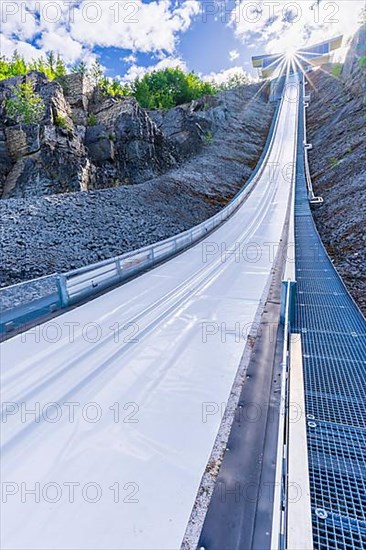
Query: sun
[[290, 52]]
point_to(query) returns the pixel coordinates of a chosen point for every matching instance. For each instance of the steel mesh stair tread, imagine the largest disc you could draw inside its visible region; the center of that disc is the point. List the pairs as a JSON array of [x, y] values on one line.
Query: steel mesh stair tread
[[333, 335]]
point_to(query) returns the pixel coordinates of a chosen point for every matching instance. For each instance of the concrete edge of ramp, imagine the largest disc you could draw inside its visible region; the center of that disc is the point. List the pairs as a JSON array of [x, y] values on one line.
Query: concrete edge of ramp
[[258, 352]]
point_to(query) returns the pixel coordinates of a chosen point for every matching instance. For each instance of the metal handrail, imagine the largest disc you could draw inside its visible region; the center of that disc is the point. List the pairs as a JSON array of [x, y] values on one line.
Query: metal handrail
[[84, 282], [77, 285], [278, 533], [312, 197]]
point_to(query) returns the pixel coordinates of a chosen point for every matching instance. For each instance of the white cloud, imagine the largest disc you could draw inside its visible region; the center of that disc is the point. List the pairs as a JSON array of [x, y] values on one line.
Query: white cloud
[[62, 43], [14, 23], [233, 55], [137, 71], [8, 46], [75, 28], [224, 76], [139, 26], [130, 58], [274, 27]]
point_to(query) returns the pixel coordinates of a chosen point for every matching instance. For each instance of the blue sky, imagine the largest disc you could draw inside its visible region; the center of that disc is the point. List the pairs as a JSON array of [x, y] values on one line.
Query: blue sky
[[205, 48], [212, 37]]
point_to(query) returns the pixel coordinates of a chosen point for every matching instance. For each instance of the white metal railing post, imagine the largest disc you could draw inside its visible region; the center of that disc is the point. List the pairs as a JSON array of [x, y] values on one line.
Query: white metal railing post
[[119, 269], [62, 290], [312, 198]]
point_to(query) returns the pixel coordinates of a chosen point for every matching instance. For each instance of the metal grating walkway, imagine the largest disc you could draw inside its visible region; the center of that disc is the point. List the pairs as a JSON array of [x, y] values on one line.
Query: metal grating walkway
[[334, 357]]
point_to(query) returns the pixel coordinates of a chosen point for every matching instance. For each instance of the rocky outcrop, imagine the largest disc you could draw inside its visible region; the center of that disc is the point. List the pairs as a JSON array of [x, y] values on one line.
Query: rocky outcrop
[[338, 169], [45, 158], [78, 91], [87, 141], [56, 233], [125, 144], [352, 74], [5, 159], [188, 126]]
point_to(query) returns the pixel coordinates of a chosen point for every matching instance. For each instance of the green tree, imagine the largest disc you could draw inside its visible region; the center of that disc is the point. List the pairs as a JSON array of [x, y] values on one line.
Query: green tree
[[169, 87], [142, 93], [160, 89], [51, 62], [104, 85], [80, 68], [97, 73], [51, 66], [236, 80], [26, 106], [18, 65], [39, 65], [60, 69], [4, 68], [114, 88], [200, 87]]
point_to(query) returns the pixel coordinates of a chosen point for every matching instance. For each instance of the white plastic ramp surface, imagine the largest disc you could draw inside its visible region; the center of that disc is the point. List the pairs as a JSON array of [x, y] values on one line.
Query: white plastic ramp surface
[[114, 451]]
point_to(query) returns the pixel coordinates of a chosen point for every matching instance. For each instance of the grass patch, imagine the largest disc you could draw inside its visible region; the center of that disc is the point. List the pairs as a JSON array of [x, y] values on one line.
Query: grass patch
[[208, 137], [92, 120], [336, 70], [61, 122]]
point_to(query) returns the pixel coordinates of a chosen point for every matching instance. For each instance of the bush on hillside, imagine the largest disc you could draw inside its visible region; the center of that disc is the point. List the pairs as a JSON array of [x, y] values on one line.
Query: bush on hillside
[[162, 89], [25, 106], [170, 87]]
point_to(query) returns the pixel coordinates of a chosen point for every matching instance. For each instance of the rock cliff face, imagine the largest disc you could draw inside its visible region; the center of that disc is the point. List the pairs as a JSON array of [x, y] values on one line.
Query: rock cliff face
[[188, 162], [86, 141], [46, 158], [125, 144], [336, 121], [83, 142], [187, 126], [352, 74]]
